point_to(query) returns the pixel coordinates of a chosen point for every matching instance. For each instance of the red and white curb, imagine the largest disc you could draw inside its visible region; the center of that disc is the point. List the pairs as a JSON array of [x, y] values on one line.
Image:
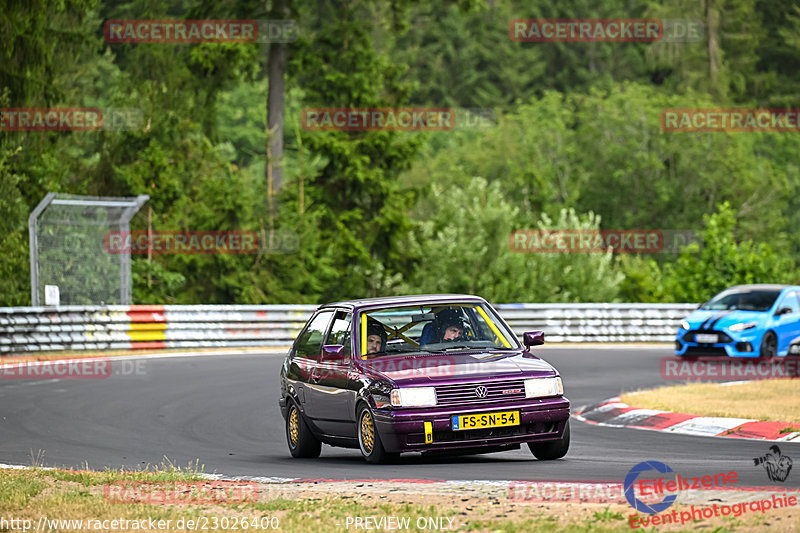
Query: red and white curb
[[614, 413]]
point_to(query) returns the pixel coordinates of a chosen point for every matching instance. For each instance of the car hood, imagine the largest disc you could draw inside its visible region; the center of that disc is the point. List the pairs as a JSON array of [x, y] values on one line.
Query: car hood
[[723, 319], [424, 369]]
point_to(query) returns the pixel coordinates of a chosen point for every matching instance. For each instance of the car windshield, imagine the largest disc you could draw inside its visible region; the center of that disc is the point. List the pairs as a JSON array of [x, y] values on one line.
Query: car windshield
[[751, 300], [433, 329]]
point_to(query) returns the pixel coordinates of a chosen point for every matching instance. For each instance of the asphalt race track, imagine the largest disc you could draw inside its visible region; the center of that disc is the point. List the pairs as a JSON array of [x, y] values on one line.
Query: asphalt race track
[[222, 411]]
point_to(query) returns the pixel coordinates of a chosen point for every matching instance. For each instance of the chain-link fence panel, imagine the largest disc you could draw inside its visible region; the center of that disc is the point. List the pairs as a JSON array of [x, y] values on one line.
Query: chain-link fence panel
[[66, 245]]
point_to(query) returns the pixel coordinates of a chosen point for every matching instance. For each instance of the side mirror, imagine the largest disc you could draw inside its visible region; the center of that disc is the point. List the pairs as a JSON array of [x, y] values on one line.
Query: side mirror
[[783, 311], [332, 353], [533, 338]]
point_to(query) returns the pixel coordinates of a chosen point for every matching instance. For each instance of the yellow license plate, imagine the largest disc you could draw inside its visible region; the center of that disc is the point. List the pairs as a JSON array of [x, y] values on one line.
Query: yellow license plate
[[485, 420]]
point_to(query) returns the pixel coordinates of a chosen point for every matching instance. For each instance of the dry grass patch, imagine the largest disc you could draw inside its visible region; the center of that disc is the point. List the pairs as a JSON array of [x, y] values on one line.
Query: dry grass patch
[[326, 507], [777, 400]]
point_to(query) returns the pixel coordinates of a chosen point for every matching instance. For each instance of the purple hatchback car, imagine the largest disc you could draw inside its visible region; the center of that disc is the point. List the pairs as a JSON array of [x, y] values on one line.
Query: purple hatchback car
[[429, 373]]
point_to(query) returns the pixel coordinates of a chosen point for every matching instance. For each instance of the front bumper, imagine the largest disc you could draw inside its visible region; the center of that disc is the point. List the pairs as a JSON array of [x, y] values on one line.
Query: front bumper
[[283, 406], [732, 344], [403, 430]]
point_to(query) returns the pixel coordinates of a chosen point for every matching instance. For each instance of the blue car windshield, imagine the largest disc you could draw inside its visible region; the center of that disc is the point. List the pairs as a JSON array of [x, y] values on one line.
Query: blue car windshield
[[756, 300]]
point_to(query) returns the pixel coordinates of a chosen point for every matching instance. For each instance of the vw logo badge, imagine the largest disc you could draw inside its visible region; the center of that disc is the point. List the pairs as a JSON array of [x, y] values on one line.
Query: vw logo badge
[[481, 391]]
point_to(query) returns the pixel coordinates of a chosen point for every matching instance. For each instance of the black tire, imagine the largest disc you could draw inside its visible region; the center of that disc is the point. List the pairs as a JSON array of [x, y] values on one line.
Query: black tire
[[369, 442], [555, 449], [769, 346], [302, 443]]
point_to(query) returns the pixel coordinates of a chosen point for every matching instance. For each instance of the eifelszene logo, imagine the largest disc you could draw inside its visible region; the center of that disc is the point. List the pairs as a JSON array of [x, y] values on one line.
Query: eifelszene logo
[[630, 495]]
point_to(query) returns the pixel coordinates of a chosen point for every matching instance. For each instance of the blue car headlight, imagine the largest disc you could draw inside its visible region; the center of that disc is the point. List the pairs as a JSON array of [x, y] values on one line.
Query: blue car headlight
[[741, 326], [685, 325]]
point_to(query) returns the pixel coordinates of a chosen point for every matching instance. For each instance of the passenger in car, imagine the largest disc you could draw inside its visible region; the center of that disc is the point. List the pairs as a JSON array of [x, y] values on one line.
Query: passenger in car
[[376, 337]]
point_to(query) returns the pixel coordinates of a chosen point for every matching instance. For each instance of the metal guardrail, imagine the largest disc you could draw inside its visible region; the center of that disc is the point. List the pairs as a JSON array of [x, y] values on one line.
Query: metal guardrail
[[123, 327], [30, 329], [598, 322]]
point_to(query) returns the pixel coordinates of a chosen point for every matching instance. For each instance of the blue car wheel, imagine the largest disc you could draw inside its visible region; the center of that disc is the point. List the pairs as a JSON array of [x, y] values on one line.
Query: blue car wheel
[[769, 345]]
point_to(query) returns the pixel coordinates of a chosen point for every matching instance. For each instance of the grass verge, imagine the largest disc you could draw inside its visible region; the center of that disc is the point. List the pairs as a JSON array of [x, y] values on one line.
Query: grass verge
[[81, 496]]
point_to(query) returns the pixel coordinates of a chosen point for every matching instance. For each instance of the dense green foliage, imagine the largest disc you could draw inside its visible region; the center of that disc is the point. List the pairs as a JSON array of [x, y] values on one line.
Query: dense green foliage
[[576, 144]]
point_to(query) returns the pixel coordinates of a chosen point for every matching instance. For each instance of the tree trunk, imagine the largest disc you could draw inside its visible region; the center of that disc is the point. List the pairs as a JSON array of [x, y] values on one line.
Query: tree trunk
[[277, 69], [712, 23]]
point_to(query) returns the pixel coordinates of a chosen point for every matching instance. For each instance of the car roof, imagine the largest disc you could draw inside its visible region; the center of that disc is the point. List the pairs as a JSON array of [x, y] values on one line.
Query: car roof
[[759, 286], [401, 300]]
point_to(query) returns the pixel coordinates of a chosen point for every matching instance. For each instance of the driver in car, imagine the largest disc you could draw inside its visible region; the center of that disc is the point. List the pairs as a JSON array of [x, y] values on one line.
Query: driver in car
[[450, 326]]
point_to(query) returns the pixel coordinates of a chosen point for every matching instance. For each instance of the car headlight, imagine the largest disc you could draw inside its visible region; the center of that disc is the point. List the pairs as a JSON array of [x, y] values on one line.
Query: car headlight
[[742, 326], [684, 325], [540, 387], [414, 397]]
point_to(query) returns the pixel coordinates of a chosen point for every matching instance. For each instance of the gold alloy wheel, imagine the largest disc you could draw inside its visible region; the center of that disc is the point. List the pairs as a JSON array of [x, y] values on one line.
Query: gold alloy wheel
[[294, 426], [367, 432]]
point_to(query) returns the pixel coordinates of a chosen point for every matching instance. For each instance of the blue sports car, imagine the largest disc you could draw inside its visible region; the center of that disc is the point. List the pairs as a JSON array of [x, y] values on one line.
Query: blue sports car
[[743, 321]]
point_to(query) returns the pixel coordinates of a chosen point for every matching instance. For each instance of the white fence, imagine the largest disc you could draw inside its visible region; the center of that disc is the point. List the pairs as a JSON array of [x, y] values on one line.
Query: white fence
[[32, 329]]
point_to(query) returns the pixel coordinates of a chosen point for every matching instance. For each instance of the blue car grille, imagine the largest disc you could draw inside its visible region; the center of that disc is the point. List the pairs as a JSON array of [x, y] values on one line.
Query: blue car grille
[[722, 337], [496, 391], [700, 351]]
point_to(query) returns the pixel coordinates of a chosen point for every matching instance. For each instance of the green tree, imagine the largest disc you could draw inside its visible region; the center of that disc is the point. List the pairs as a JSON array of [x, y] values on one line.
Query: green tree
[[724, 261], [604, 151], [36, 40], [777, 82], [362, 209], [722, 62], [463, 247]]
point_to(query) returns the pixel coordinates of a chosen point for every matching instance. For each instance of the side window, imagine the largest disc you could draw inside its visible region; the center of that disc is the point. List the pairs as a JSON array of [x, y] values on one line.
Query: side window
[[791, 300], [796, 298], [340, 332], [310, 343]]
